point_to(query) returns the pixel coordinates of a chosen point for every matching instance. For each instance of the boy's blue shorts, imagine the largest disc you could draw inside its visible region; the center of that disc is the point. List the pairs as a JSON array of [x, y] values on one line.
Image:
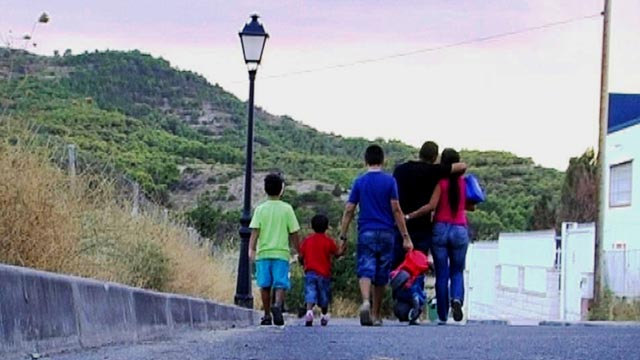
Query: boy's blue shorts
[[416, 290], [272, 273], [375, 254], [317, 289]]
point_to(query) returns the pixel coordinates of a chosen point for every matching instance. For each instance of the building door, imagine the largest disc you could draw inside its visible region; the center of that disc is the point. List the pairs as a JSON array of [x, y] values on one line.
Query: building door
[[576, 284]]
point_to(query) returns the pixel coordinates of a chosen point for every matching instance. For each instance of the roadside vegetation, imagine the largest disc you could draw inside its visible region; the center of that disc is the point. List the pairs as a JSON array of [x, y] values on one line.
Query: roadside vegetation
[[82, 225], [613, 308]]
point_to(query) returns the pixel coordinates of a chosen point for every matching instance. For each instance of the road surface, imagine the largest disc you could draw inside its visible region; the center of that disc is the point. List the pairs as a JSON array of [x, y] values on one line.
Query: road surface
[[345, 339]]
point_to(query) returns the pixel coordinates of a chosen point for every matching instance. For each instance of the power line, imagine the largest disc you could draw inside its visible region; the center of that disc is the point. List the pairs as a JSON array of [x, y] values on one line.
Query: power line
[[437, 48]]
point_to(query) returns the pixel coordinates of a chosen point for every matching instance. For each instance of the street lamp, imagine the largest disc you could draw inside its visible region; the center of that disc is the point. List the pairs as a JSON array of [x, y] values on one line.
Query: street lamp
[[253, 37]]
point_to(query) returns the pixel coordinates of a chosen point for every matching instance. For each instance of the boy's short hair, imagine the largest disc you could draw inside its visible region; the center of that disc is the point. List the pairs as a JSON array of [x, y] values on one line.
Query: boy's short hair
[[320, 223], [273, 184], [374, 155], [429, 152]]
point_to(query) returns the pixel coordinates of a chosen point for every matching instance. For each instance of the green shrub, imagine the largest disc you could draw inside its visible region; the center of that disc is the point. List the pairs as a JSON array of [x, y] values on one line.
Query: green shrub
[[147, 265]]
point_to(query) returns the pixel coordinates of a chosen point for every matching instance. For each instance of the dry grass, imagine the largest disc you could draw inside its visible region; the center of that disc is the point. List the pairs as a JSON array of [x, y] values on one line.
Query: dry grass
[[39, 226], [341, 307], [613, 308], [53, 222], [617, 309], [625, 310], [115, 253]]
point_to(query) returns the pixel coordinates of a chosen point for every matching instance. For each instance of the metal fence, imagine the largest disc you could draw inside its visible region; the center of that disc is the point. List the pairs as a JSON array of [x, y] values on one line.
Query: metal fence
[[623, 272], [129, 193]]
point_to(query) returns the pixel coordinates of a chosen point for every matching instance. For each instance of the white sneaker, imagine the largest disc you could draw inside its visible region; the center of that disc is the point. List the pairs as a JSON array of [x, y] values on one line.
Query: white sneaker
[[324, 319], [365, 314], [308, 318]]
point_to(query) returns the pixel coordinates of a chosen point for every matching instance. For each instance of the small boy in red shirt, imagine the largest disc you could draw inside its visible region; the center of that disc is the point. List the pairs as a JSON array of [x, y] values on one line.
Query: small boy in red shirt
[[317, 251]]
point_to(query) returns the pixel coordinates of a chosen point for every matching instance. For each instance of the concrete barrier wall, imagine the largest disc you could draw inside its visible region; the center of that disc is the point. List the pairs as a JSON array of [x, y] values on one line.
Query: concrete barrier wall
[[42, 312]]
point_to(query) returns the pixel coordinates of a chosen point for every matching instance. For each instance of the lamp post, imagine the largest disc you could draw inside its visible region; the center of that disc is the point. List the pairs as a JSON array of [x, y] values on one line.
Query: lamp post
[[253, 37]]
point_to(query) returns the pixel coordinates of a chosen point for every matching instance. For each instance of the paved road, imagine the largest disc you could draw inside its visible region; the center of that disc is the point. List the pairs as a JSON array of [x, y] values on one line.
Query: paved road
[[345, 339]]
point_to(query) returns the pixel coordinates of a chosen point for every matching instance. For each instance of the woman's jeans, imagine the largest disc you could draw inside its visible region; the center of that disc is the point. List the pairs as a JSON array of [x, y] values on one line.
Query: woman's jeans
[[449, 250]]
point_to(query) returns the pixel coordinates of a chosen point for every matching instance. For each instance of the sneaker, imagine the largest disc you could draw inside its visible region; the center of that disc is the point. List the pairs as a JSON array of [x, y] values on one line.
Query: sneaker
[[266, 320], [413, 317], [324, 319], [414, 313], [276, 311], [365, 314], [456, 306], [377, 322], [308, 318]]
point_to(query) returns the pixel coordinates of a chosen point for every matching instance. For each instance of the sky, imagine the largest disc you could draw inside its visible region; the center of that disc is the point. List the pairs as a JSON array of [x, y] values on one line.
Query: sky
[[535, 94]]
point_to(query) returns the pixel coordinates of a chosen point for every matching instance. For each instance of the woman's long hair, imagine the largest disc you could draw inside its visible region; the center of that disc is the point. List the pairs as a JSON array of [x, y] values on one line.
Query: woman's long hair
[[450, 157]]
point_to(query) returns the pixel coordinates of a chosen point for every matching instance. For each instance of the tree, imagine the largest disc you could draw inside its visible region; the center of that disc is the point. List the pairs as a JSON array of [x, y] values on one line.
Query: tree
[[578, 197], [484, 225], [337, 190], [545, 214]]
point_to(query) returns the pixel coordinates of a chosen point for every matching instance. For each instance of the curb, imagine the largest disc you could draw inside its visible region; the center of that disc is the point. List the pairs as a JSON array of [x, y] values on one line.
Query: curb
[[488, 322], [591, 323], [556, 323], [42, 312]]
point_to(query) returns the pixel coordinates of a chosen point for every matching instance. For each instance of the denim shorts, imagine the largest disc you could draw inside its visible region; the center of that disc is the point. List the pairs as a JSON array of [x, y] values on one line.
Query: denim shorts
[[272, 273], [317, 289], [375, 254]]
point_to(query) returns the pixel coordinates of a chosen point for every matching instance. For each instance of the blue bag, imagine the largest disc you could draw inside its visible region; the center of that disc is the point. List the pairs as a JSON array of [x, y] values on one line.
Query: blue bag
[[473, 190]]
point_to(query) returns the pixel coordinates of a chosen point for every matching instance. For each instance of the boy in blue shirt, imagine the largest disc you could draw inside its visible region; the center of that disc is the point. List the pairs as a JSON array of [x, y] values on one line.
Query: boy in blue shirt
[[376, 194]]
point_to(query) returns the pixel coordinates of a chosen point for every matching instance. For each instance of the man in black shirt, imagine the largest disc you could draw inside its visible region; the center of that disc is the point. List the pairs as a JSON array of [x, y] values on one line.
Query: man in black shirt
[[416, 181]]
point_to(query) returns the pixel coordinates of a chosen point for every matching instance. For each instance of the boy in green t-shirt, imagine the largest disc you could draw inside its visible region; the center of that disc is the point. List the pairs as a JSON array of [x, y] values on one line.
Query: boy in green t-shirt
[[273, 224]]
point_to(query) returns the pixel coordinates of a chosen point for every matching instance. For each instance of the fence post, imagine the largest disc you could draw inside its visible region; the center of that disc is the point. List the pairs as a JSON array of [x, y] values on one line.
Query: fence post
[[136, 199], [71, 150], [194, 235], [624, 272]]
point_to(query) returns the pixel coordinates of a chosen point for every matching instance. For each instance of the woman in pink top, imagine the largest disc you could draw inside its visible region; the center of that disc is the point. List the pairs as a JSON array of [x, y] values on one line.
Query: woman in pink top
[[450, 239]]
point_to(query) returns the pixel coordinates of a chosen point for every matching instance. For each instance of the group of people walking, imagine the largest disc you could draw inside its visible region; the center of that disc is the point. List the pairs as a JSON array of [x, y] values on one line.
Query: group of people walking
[[421, 207]]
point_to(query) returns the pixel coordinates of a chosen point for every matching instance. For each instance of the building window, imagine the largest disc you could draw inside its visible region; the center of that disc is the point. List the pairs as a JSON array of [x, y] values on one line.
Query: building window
[[620, 185]]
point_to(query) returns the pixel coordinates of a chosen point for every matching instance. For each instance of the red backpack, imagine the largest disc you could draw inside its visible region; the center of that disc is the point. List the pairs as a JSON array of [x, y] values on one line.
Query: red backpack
[[415, 264]]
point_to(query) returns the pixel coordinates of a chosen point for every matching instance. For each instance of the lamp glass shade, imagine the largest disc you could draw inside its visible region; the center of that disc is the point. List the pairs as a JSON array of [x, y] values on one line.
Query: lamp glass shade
[[253, 46]]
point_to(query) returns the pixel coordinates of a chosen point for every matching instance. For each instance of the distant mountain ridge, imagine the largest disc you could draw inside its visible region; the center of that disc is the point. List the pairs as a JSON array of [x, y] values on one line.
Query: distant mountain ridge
[[168, 128]]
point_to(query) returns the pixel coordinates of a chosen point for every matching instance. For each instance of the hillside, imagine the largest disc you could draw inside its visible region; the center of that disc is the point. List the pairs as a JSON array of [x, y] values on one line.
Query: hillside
[[183, 138]]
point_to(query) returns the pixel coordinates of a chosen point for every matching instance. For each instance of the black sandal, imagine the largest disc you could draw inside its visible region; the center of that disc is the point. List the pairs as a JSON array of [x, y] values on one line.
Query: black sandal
[[266, 320]]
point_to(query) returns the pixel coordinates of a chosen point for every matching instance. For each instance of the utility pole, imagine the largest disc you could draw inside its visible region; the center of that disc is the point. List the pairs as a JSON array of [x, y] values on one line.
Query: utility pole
[[598, 283]]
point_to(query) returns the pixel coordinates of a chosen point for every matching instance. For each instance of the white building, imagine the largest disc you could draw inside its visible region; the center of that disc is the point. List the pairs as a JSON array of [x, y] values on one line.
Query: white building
[[621, 241], [622, 159]]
